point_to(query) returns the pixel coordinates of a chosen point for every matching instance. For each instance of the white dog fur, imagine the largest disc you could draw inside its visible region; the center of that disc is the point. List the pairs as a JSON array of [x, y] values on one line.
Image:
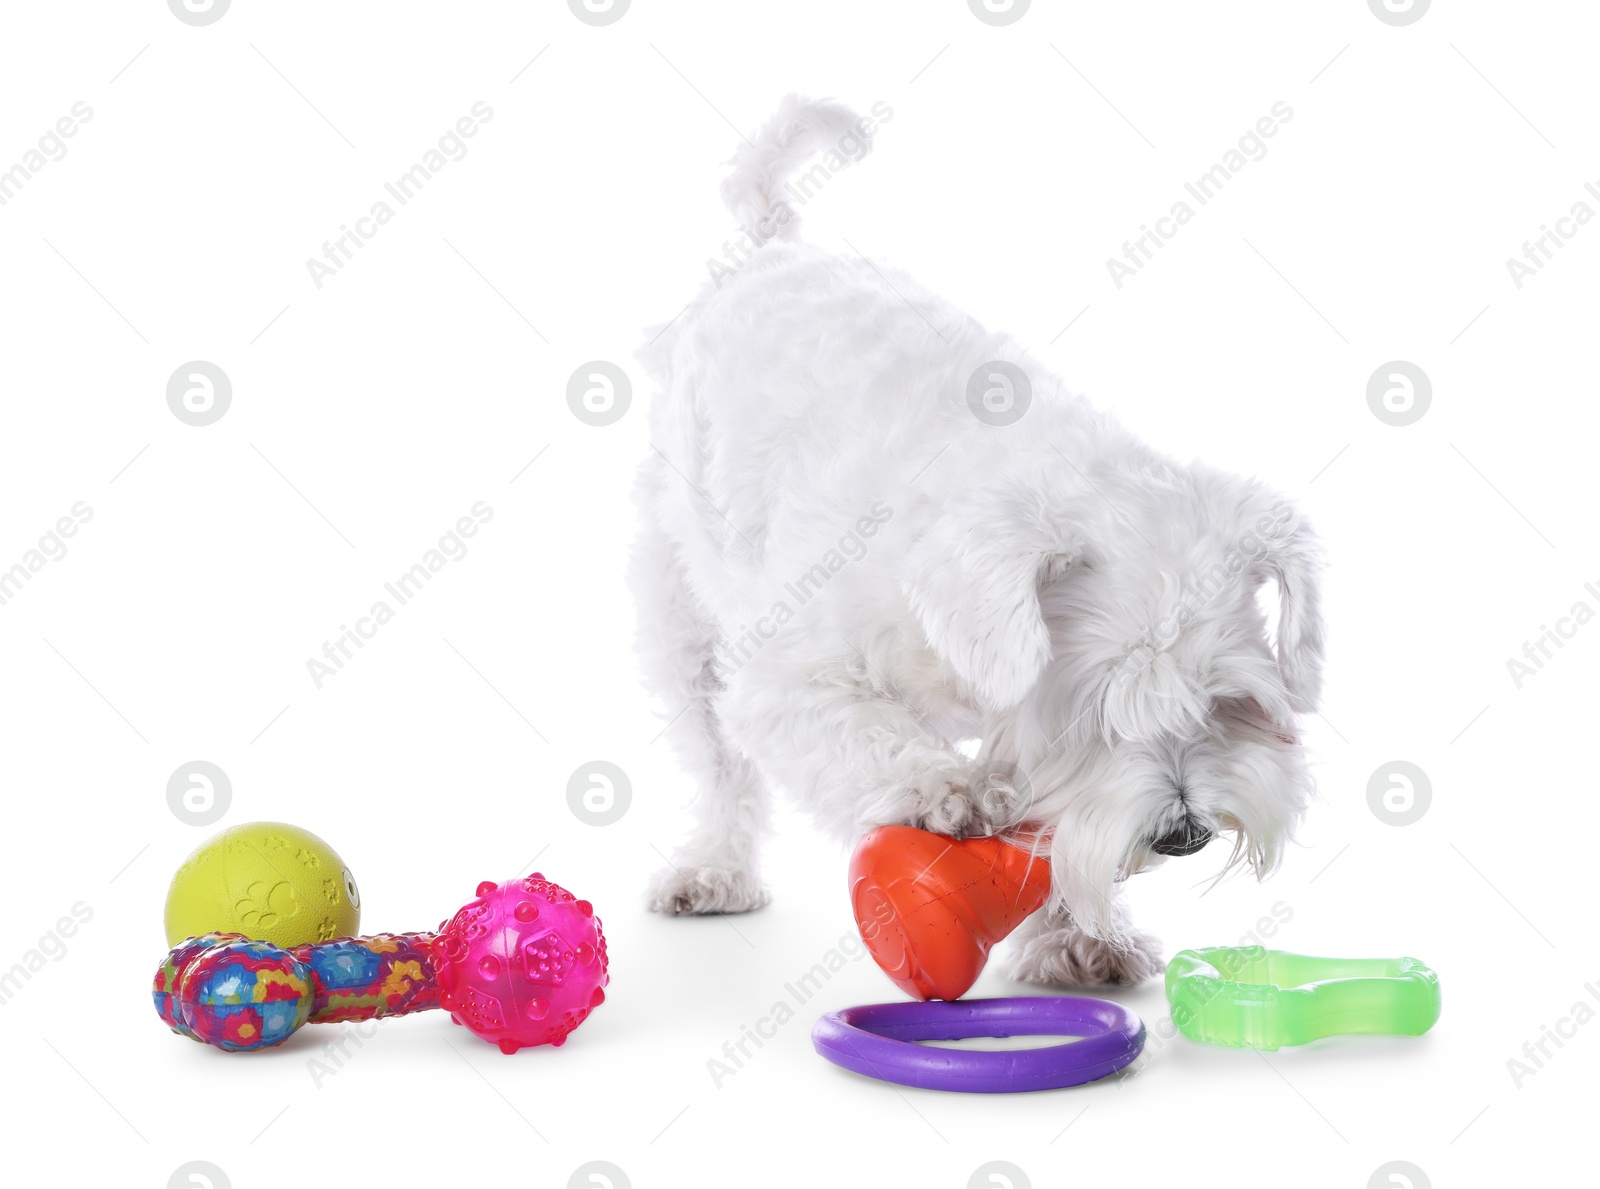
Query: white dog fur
[[854, 588]]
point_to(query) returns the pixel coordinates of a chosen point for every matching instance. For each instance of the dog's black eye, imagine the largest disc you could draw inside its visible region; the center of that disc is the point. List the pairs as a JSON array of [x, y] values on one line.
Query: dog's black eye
[[1187, 838]]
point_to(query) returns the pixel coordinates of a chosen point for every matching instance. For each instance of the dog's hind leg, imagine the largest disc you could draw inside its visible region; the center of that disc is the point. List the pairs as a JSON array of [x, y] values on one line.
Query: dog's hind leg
[[1051, 949], [716, 869]]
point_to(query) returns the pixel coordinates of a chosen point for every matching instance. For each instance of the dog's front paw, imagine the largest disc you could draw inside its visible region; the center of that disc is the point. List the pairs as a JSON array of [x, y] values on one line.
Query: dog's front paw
[[695, 889], [968, 805], [1069, 957]]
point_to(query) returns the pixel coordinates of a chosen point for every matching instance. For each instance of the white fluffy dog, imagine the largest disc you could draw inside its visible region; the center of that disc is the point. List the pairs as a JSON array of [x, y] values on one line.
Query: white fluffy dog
[[891, 565]]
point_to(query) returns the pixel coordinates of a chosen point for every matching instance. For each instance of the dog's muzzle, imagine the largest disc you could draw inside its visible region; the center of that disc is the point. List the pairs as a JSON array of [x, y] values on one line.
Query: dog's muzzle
[[1187, 838]]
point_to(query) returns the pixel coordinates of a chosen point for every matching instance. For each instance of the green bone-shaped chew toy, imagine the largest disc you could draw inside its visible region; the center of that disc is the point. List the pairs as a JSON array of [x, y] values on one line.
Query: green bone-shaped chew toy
[[1251, 997]]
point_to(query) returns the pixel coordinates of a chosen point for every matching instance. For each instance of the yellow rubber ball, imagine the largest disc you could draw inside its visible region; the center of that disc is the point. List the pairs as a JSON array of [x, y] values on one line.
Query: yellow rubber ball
[[267, 880]]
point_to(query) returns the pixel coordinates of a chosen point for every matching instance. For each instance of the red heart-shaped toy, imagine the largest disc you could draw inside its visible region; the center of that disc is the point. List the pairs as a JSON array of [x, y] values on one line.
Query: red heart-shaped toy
[[931, 907]]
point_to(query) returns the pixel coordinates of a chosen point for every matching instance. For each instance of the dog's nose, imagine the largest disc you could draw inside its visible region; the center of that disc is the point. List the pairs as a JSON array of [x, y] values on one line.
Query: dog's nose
[[1185, 839]]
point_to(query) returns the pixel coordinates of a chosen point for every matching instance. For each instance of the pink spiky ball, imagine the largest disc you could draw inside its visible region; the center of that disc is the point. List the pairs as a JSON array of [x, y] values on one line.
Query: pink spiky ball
[[523, 964]]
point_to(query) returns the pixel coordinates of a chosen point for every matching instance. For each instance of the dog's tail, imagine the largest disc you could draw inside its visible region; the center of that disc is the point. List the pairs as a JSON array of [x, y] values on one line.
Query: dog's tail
[[798, 130]]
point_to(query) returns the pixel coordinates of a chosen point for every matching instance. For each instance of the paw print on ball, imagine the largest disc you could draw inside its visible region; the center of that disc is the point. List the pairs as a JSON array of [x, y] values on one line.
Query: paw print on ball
[[523, 964], [264, 904], [286, 850]]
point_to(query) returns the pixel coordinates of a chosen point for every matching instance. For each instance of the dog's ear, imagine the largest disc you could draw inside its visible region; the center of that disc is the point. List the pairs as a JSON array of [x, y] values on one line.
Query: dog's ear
[[974, 587], [1293, 558]]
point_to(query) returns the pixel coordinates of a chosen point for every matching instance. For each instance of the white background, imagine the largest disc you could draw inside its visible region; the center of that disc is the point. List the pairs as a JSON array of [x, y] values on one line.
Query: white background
[[369, 415]]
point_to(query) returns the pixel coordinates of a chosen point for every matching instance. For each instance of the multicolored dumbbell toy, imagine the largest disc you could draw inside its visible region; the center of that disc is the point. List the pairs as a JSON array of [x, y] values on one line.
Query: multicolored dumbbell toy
[[523, 964]]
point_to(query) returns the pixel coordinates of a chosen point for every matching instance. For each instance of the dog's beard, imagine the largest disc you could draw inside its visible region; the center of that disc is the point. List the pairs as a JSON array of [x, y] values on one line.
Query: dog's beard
[[1105, 802]]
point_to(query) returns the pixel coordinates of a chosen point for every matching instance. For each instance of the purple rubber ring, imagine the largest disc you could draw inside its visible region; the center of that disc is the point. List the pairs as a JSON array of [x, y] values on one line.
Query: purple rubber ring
[[878, 1041]]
